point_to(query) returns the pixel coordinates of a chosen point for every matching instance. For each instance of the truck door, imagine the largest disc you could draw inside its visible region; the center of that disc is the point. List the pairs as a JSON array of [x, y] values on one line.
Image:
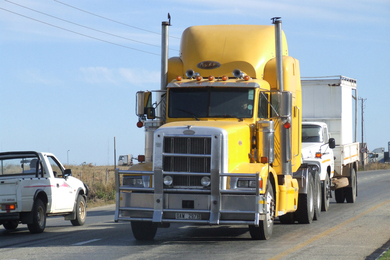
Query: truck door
[[63, 195]]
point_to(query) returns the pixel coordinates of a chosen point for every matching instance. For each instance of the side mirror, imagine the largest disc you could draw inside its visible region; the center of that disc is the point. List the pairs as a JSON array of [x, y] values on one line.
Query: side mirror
[[67, 173], [332, 143], [144, 103]]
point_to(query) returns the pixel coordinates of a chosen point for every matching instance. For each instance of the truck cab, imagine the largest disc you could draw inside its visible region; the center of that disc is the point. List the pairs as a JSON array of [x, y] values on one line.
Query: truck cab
[[317, 149], [223, 139]]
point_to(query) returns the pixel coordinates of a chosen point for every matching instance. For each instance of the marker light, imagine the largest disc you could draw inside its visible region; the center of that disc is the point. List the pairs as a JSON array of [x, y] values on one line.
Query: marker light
[[264, 159], [211, 78], [178, 78], [140, 124], [287, 125], [318, 155], [141, 158], [224, 78], [246, 78], [199, 78]]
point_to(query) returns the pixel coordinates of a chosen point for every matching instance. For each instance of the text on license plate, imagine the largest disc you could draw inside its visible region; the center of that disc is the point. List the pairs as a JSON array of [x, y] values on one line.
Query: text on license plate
[[188, 216]]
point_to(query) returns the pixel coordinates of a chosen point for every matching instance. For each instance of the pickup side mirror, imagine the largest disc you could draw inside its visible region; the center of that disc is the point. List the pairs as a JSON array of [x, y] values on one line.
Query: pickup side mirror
[[67, 173], [332, 143]]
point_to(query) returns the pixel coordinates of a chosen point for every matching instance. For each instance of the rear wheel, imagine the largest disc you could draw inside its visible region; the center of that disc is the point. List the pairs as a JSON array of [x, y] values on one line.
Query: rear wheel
[[143, 230], [11, 225], [339, 195], [350, 192], [39, 217], [265, 228], [325, 190], [305, 211]]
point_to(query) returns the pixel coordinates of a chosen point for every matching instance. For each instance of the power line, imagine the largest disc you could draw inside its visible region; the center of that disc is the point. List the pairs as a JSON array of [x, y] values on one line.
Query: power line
[[111, 20], [81, 25], [91, 37]]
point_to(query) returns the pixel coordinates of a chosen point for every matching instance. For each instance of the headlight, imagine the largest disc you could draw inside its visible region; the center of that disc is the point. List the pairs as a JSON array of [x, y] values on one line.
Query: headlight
[[168, 180], [137, 181], [205, 181]]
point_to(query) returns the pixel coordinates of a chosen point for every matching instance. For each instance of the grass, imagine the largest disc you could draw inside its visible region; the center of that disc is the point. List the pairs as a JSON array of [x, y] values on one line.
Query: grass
[[100, 180], [375, 166]]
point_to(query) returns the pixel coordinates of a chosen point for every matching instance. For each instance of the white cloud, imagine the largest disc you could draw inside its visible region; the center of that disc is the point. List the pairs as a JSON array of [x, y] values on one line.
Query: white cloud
[[35, 76], [118, 76]]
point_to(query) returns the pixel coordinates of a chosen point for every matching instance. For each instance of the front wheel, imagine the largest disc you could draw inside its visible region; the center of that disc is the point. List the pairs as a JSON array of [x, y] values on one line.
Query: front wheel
[[325, 193], [305, 211], [81, 211], [39, 217], [317, 197], [143, 230], [265, 228], [11, 225]]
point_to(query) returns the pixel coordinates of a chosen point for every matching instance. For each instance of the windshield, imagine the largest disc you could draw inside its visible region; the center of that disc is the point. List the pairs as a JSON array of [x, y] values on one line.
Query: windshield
[[211, 102], [311, 134]]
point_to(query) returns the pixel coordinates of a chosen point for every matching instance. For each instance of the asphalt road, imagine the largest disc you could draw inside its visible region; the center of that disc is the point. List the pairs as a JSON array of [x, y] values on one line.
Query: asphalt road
[[347, 231]]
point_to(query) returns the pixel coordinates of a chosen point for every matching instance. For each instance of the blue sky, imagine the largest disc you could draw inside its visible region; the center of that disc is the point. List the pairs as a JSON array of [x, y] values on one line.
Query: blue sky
[[68, 78]]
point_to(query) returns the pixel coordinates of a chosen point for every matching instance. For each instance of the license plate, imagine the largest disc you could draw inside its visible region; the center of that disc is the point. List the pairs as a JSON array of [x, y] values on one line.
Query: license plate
[[188, 216]]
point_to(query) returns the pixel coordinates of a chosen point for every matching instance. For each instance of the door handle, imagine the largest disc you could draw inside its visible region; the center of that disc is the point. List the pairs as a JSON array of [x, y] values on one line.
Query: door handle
[[58, 185]]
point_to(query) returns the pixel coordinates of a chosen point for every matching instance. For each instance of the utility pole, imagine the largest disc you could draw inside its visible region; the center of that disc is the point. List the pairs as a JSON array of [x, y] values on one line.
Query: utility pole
[[363, 99]]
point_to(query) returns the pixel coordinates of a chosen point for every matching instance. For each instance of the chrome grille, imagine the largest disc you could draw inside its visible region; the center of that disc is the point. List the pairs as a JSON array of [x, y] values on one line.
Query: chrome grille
[[187, 154]]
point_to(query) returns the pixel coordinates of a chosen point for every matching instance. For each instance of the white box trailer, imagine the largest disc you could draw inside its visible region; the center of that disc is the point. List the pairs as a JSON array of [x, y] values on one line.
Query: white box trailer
[[333, 100]]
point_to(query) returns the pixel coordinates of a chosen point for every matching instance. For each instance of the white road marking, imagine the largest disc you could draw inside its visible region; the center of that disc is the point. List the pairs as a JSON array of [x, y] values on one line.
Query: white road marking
[[86, 242]]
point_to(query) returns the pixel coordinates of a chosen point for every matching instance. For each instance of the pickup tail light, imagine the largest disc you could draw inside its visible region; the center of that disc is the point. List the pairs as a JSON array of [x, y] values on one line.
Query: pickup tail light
[[8, 207]]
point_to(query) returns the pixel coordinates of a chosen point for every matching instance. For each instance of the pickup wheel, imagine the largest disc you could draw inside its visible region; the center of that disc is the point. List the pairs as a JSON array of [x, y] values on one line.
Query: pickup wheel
[[265, 228], [317, 197], [39, 217], [81, 211], [350, 192], [11, 225], [325, 190], [143, 230], [305, 211]]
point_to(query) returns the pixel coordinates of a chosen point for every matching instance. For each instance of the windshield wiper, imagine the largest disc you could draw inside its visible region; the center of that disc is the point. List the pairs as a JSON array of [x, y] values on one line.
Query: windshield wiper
[[190, 113]]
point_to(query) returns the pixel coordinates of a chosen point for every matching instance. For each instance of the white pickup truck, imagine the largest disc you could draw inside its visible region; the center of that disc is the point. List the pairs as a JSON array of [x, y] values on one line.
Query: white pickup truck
[[34, 185]]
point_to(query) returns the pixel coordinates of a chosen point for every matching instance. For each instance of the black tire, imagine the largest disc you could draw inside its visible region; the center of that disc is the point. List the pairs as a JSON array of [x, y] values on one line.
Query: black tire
[[317, 197], [11, 225], [287, 218], [339, 195], [39, 217], [350, 192], [143, 230], [325, 190], [81, 211], [265, 228], [305, 211]]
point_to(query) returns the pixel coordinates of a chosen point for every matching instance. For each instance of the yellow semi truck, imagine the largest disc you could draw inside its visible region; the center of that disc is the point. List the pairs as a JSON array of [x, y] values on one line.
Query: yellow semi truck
[[222, 138]]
